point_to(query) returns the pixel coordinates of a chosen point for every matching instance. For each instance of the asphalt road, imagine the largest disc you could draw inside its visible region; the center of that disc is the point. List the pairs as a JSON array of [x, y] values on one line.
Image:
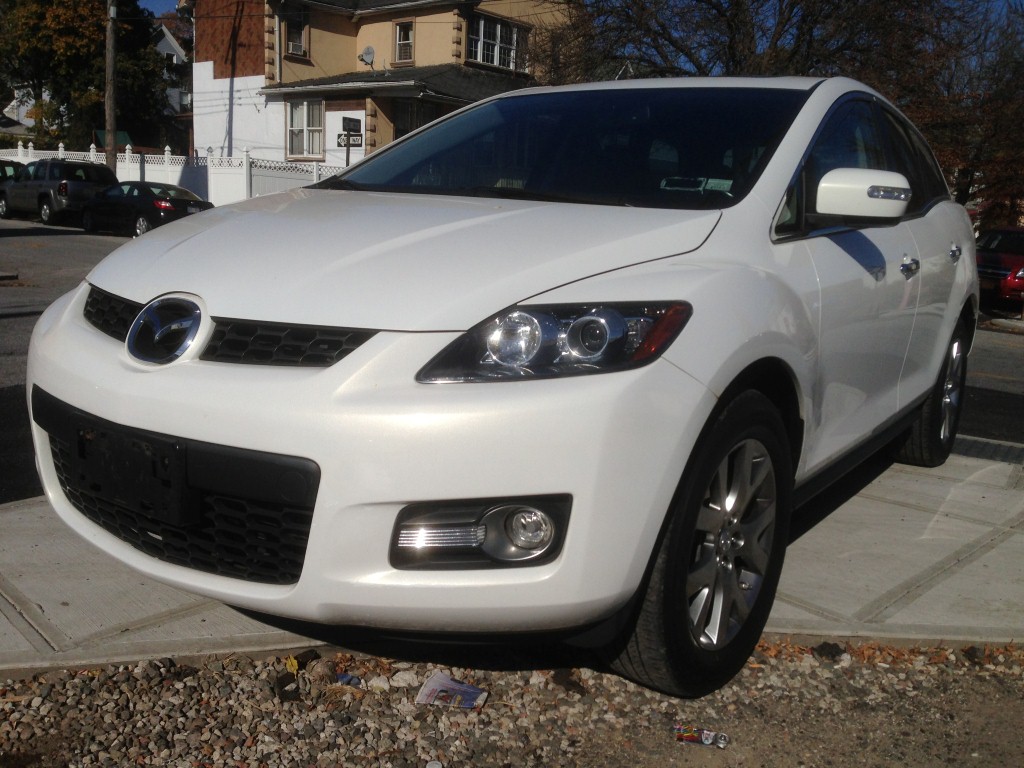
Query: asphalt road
[[39, 263]]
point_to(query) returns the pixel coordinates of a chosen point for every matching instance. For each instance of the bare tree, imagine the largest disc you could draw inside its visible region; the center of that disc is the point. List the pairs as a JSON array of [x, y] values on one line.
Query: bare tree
[[954, 66]]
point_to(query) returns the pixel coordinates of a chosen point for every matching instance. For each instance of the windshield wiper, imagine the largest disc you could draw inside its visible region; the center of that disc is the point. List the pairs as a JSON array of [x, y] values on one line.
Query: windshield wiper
[[336, 182], [517, 193]]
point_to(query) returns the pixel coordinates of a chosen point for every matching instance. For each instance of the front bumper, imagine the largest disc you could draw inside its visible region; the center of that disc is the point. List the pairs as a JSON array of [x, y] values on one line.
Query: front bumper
[[616, 443]]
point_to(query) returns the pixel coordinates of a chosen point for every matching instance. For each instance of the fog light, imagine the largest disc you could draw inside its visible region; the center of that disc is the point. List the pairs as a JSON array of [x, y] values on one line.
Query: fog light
[[518, 532], [480, 533], [529, 529]]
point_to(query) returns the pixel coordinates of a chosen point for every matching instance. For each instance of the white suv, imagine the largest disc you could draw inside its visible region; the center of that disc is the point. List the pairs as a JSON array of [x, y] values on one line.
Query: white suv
[[562, 362]]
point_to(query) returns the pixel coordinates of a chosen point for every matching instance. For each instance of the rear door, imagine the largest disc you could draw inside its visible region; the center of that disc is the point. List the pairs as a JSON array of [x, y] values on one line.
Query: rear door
[[945, 244]]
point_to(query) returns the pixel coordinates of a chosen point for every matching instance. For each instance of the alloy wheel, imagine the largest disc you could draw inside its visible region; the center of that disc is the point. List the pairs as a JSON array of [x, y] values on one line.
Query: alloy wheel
[[952, 389], [733, 544]]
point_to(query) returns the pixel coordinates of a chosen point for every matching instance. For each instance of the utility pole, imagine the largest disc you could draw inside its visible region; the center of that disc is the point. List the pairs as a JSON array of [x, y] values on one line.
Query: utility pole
[[109, 98]]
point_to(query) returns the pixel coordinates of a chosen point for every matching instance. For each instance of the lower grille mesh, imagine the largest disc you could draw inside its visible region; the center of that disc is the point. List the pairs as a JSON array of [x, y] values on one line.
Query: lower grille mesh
[[235, 537], [234, 512]]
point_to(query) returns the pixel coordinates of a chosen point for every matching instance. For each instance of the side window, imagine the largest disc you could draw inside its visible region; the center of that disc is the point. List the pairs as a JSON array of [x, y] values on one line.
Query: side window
[[55, 171], [403, 43], [849, 138], [296, 31], [910, 156]]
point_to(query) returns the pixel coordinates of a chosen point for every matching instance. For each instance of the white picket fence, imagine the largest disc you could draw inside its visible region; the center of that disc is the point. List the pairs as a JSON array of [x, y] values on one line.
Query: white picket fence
[[221, 180]]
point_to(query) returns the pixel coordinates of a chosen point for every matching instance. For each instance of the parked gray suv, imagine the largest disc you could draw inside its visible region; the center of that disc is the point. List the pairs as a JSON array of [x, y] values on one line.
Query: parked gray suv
[[52, 188]]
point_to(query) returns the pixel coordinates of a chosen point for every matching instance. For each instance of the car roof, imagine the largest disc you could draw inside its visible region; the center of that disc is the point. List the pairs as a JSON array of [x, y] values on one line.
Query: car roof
[[792, 83], [828, 88]]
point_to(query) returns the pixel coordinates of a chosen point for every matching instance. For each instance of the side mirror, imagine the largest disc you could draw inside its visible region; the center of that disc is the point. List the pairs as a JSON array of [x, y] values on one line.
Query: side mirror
[[863, 193]]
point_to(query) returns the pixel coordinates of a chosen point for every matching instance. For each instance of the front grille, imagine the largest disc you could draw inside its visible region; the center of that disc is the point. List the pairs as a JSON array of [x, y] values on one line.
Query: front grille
[[240, 341], [111, 314], [243, 341], [227, 511]]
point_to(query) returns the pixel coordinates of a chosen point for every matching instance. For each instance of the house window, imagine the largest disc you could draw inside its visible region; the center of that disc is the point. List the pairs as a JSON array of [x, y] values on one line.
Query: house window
[[403, 42], [296, 31], [497, 42], [305, 129]]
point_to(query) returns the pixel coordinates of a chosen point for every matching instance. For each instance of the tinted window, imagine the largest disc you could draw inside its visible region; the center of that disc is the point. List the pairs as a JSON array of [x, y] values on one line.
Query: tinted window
[[177, 193], [910, 156], [849, 138], [1006, 241], [652, 147]]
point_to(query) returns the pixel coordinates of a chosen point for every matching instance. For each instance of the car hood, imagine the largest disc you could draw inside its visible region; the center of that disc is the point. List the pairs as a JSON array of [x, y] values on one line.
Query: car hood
[[389, 261]]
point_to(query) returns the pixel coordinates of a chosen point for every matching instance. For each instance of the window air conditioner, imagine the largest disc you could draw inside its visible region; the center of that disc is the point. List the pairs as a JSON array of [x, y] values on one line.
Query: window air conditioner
[[296, 49]]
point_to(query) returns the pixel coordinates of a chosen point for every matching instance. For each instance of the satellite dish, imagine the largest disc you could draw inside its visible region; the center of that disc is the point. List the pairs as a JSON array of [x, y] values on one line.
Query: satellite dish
[[367, 56]]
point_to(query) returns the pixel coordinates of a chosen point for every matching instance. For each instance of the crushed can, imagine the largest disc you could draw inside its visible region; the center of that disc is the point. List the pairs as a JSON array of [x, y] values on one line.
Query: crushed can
[[694, 735]]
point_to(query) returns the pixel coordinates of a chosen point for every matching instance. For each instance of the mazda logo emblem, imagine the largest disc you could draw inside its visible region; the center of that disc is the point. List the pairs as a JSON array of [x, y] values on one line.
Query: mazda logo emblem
[[163, 330]]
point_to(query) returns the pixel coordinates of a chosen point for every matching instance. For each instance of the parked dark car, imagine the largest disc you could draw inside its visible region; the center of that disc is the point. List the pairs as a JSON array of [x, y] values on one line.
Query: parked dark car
[[138, 206], [9, 169], [1001, 264], [53, 188]]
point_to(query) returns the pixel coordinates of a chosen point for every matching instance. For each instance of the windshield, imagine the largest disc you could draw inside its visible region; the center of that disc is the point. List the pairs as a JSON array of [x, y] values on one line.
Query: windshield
[[651, 147]]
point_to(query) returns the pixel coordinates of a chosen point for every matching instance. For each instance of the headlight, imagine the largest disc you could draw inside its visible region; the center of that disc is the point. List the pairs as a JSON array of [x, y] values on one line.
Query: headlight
[[532, 342]]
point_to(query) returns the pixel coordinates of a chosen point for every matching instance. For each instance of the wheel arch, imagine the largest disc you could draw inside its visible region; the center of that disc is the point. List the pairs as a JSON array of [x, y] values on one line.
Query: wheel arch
[[775, 380], [770, 377], [969, 317]]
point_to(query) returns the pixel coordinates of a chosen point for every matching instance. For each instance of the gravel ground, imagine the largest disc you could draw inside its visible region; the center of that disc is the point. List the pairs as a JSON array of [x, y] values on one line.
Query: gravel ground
[[829, 705]]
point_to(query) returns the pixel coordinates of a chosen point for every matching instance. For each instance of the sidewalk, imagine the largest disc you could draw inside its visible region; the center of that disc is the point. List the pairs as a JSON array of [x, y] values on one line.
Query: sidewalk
[[921, 556]]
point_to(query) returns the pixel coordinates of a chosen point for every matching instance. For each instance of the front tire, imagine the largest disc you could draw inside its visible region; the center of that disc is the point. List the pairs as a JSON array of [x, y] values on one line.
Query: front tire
[[5, 211], [46, 212], [929, 441], [717, 567]]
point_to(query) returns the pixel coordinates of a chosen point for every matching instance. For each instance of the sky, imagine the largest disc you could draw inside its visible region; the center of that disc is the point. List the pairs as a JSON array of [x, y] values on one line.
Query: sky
[[159, 6]]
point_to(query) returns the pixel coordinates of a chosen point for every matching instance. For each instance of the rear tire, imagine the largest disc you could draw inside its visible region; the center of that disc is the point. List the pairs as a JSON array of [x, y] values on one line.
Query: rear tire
[[929, 440], [5, 211], [715, 573], [142, 226]]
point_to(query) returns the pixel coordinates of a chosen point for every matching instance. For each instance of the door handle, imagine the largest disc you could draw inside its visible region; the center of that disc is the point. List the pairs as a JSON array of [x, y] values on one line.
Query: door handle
[[910, 268], [955, 251]]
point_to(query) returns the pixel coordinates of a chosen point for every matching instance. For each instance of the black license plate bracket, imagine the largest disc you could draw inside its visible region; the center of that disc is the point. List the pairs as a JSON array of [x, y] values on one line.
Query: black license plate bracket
[[140, 471]]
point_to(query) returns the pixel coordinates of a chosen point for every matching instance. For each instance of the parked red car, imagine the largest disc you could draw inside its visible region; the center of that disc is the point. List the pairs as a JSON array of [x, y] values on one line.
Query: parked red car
[[1001, 264]]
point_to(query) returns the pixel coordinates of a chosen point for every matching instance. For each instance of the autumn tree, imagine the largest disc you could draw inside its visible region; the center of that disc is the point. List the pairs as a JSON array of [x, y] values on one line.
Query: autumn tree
[[54, 50]]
